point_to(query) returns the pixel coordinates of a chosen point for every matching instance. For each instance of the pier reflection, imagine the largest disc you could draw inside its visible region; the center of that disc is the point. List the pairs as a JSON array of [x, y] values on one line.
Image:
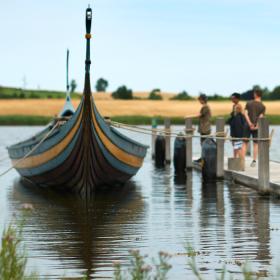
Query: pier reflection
[[252, 230]]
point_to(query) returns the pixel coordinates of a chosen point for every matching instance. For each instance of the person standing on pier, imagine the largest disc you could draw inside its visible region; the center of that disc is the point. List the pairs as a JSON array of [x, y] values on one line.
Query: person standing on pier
[[237, 123], [253, 111], [204, 119]]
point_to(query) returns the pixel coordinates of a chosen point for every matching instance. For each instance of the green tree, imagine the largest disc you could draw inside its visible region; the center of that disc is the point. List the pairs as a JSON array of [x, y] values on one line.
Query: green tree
[[181, 96], [275, 94], [73, 86], [101, 85], [155, 94], [122, 93]]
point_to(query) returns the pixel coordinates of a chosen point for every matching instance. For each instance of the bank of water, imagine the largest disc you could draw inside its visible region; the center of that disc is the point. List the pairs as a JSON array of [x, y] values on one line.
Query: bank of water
[[65, 236]]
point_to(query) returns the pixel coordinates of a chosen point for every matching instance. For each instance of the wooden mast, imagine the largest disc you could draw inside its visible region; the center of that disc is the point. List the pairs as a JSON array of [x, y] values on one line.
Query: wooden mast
[[87, 187], [68, 108]]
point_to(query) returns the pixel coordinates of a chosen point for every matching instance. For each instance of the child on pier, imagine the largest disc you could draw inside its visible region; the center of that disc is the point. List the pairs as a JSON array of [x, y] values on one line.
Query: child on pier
[[237, 123]]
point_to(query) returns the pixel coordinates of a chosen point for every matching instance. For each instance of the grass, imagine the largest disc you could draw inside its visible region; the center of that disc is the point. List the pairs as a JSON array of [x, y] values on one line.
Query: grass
[[140, 269], [10, 120], [14, 93], [13, 258], [24, 120]]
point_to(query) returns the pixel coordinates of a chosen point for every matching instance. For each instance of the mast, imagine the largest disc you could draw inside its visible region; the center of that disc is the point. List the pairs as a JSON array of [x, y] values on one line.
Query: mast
[[67, 77], [88, 37], [68, 109]]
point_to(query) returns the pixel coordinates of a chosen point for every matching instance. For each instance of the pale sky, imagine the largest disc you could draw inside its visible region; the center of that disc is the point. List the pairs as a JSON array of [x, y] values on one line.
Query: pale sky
[[214, 46]]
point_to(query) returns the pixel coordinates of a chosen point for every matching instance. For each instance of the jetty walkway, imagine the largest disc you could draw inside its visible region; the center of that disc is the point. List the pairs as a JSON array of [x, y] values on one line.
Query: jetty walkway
[[250, 177]]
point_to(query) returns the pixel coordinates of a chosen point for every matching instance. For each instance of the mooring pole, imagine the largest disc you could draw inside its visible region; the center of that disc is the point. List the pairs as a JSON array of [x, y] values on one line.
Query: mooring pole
[[167, 126], [263, 157], [189, 133], [154, 136], [220, 132]]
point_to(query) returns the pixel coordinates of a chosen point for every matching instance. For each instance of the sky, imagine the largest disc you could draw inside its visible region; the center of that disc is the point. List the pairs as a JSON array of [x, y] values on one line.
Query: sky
[[212, 46]]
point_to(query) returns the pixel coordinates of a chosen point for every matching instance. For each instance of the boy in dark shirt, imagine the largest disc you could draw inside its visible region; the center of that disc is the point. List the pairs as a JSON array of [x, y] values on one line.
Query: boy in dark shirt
[[237, 122], [204, 119], [253, 111]]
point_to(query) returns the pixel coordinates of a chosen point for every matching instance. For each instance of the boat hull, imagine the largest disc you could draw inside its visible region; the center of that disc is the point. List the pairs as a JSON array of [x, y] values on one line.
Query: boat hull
[[80, 155]]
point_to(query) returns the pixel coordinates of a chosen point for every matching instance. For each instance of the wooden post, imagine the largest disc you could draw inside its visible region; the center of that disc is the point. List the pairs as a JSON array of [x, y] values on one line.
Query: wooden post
[[220, 130], [167, 125], [154, 136], [263, 155], [189, 132]]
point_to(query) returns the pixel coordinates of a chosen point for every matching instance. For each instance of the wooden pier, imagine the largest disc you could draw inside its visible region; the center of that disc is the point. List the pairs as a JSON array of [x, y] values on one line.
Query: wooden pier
[[250, 177], [265, 177]]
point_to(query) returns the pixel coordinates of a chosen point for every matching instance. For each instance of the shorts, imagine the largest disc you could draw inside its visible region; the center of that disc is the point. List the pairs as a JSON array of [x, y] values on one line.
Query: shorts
[[237, 145], [248, 133]]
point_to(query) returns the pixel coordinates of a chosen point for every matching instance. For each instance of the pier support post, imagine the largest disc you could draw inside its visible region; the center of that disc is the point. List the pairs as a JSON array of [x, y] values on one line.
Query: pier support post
[[189, 132], [167, 126], [263, 157], [154, 136], [220, 131]]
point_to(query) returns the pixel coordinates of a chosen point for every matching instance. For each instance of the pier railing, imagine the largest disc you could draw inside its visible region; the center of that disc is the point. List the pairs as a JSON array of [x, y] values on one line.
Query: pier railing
[[264, 140]]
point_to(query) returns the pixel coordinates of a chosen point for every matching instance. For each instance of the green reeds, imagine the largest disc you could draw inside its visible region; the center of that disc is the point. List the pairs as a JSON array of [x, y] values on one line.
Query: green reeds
[[13, 258], [139, 269]]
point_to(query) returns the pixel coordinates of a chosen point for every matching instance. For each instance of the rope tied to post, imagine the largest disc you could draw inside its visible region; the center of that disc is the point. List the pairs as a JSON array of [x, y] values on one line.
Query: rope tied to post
[[188, 133], [190, 130]]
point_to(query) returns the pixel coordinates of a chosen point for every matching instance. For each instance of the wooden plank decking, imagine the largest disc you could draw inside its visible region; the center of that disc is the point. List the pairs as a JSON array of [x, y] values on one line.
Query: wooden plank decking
[[249, 177]]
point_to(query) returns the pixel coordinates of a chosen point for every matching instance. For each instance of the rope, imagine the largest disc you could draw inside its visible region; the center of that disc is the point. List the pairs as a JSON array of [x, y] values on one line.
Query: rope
[[31, 151], [219, 135]]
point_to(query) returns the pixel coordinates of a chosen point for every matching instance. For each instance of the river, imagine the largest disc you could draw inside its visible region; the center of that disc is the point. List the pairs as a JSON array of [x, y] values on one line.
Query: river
[[66, 236]]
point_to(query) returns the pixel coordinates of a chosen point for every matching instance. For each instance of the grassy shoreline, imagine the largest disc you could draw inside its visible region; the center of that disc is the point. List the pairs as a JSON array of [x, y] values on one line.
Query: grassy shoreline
[[23, 120]]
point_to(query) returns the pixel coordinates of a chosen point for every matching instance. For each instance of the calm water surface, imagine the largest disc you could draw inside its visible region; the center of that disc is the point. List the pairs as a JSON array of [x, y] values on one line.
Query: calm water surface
[[66, 236]]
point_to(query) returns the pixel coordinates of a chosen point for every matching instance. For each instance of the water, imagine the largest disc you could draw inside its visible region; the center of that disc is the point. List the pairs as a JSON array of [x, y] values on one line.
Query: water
[[66, 236]]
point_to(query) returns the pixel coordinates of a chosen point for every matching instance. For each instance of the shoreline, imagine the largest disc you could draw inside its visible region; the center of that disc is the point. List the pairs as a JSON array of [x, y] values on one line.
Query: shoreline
[[31, 120]]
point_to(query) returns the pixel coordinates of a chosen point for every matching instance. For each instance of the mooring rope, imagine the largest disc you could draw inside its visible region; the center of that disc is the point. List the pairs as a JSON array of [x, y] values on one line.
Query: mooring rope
[[190, 133], [31, 151]]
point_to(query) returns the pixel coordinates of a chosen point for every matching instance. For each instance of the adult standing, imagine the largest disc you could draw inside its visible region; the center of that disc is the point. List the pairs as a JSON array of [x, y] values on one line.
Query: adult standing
[[253, 111]]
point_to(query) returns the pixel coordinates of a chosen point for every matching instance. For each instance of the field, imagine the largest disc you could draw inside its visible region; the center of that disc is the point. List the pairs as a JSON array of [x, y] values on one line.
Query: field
[[109, 107], [40, 111]]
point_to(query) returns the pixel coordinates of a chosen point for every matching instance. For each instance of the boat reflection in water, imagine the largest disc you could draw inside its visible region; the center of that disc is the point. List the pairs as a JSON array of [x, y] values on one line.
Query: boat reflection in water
[[85, 234]]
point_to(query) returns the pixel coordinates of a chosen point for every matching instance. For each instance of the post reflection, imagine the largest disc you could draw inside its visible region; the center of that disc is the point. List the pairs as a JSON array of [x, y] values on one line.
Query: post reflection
[[251, 230]]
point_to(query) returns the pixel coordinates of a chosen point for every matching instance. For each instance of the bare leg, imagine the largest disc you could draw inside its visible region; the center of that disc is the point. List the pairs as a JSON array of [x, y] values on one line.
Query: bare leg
[[235, 153], [256, 148], [244, 149], [239, 153]]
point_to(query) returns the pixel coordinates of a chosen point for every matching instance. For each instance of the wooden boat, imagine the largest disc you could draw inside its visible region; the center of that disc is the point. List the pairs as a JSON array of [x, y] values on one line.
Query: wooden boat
[[79, 151]]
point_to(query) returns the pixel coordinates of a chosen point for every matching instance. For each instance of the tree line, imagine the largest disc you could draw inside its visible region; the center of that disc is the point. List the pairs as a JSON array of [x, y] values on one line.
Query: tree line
[[123, 92]]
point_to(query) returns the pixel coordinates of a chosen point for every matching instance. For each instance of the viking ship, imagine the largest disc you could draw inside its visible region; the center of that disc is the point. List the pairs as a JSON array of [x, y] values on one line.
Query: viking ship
[[78, 151]]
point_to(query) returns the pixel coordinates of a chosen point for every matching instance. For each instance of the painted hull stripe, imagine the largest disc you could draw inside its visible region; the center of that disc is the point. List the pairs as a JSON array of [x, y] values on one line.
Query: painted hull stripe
[[115, 150], [17, 151], [53, 163], [114, 162], [40, 159]]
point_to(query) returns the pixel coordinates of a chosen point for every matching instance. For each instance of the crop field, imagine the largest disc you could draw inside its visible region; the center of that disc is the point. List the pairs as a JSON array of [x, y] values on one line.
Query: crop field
[[110, 107]]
